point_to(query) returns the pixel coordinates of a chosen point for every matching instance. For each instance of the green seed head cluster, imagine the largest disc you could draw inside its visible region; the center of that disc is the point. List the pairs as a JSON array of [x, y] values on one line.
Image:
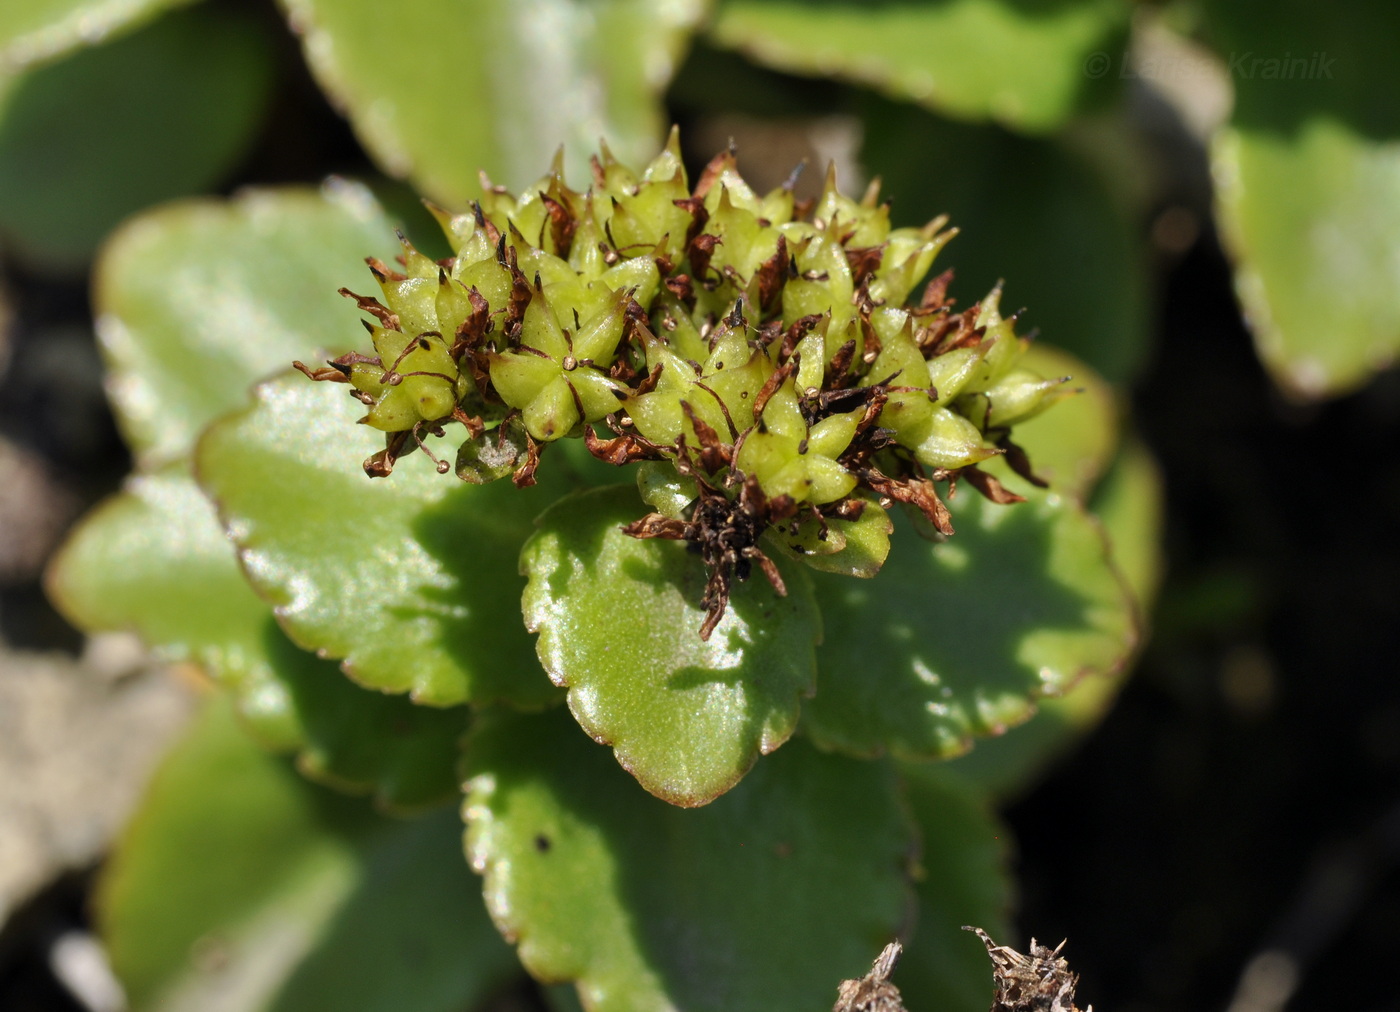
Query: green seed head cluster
[[758, 355]]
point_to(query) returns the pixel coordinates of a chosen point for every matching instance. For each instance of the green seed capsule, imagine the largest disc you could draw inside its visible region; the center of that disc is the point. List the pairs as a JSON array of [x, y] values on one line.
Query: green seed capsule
[[763, 361]]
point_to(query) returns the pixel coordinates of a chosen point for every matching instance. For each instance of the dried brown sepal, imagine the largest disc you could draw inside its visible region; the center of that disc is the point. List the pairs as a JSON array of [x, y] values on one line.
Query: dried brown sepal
[[775, 380], [700, 250], [337, 370], [324, 374], [1020, 462], [628, 448], [958, 330], [487, 226], [472, 333], [935, 298], [714, 454], [635, 326], [772, 275], [864, 261], [800, 328], [716, 167], [1040, 981], [520, 294], [524, 475], [383, 272], [991, 489], [396, 445], [698, 217], [369, 304], [917, 492], [873, 992], [562, 225], [872, 342], [683, 288], [474, 424], [600, 176], [839, 368], [848, 509]]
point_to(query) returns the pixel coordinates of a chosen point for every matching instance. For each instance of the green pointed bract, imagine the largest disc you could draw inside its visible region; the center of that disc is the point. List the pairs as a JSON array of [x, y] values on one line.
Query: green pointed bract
[[763, 350]]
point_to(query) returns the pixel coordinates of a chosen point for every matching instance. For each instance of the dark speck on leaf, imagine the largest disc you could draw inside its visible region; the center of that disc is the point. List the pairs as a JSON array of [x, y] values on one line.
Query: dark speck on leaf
[[542, 843]]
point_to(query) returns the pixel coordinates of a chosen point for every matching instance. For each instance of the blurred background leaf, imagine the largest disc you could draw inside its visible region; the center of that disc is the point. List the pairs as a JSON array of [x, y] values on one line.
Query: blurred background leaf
[[154, 559], [1028, 66], [163, 112], [39, 30], [241, 886], [1308, 174], [198, 300], [438, 92]]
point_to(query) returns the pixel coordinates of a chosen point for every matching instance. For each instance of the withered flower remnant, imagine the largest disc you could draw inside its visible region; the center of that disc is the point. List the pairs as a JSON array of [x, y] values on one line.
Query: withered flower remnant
[[758, 354]]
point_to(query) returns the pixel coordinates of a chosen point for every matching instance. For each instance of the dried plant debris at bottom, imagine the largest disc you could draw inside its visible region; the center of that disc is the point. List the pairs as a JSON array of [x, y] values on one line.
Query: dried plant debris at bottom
[[766, 349], [874, 992], [1038, 981]]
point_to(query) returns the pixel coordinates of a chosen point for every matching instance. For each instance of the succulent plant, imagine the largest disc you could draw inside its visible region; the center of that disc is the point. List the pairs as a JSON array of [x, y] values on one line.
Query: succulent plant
[[758, 354]]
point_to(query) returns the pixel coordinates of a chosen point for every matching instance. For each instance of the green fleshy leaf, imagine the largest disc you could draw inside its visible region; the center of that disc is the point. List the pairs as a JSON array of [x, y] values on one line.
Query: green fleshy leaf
[[1026, 67], [1032, 212], [39, 30], [1308, 177], [763, 900], [965, 881], [956, 640], [619, 622], [154, 559], [1129, 504], [197, 301], [1311, 217], [164, 112], [240, 885], [520, 79], [411, 579]]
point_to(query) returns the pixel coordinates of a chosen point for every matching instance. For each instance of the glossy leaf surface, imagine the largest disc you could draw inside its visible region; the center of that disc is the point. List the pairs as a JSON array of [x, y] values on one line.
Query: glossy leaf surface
[[1032, 212], [198, 300], [956, 640], [155, 560], [619, 622], [412, 579], [239, 885], [763, 900], [496, 84], [42, 29], [1129, 505], [161, 113], [1028, 67], [1308, 176]]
